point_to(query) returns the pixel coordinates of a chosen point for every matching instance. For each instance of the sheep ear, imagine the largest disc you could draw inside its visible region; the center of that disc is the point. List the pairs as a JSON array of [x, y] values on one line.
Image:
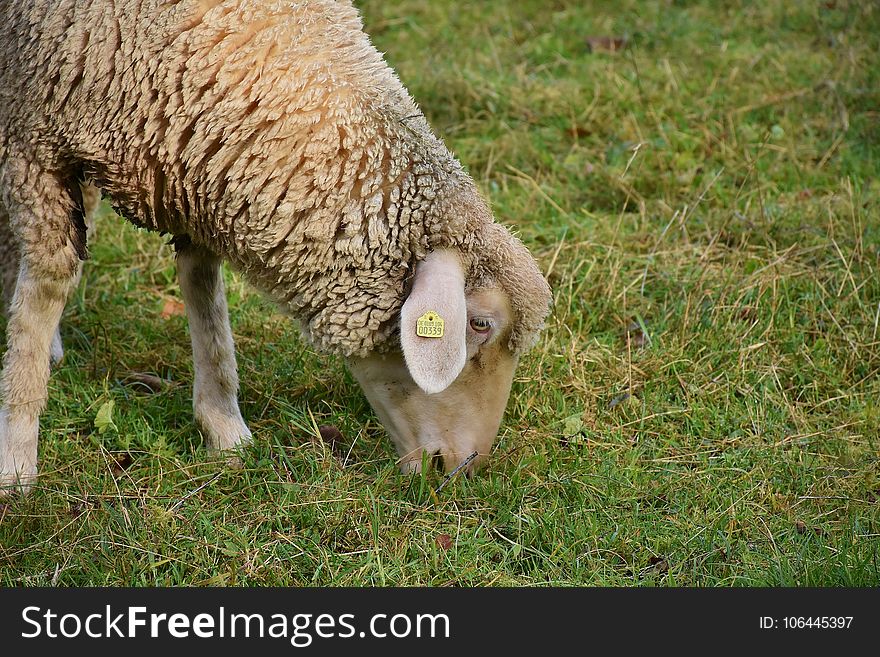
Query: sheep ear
[[433, 322]]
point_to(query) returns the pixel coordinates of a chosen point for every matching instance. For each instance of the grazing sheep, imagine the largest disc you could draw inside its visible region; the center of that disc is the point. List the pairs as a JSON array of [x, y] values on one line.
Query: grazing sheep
[[274, 136]]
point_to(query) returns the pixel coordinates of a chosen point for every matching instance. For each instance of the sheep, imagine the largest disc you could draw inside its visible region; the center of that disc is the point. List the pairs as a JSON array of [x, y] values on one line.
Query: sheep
[[273, 136]]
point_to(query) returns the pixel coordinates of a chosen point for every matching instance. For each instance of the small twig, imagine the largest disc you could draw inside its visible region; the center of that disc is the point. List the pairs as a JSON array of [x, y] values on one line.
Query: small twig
[[876, 320], [183, 499], [522, 176], [776, 99], [449, 477], [635, 151], [556, 253], [654, 250]]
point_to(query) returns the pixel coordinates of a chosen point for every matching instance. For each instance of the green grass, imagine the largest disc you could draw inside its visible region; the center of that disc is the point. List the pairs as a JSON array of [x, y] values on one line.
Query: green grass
[[702, 409]]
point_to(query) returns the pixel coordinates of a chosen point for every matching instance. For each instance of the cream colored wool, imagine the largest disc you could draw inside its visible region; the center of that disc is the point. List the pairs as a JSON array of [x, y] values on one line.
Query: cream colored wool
[[270, 133]]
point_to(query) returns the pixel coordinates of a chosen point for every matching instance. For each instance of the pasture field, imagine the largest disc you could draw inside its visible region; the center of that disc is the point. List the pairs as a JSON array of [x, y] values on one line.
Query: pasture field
[[697, 179]]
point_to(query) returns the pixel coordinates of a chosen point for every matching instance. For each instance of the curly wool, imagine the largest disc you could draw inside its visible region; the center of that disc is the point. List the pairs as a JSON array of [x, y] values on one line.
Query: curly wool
[[272, 133]]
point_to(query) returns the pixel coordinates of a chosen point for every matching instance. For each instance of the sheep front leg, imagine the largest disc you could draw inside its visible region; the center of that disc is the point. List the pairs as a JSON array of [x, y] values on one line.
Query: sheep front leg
[[215, 390], [42, 215], [34, 314], [39, 299]]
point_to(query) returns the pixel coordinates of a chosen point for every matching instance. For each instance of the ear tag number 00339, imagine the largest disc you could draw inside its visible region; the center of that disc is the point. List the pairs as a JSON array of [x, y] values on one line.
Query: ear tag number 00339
[[429, 325]]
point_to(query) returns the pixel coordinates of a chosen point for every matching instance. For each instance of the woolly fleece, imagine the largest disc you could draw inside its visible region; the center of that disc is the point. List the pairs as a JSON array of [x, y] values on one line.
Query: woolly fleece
[[273, 134]]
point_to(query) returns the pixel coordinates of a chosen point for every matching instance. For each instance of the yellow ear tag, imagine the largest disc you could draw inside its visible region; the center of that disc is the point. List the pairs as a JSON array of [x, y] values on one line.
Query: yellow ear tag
[[429, 325]]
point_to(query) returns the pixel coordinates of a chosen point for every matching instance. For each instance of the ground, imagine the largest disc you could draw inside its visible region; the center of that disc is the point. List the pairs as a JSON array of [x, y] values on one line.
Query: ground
[[698, 180]]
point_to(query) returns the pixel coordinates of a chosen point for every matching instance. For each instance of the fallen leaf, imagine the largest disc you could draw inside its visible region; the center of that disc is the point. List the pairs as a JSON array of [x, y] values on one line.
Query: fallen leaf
[[636, 335], [444, 541], [104, 417], [573, 425], [149, 383], [747, 313], [172, 308], [659, 563], [333, 438], [805, 193], [120, 464], [606, 43]]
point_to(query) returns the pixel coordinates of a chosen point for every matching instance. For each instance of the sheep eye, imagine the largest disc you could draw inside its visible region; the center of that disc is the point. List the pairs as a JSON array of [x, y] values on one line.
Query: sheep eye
[[480, 324]]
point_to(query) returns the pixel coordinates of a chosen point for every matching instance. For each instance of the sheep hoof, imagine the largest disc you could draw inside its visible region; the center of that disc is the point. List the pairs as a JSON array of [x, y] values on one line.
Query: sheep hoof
[[18, 452], [231, 458], [18, 482], [410, 467], [17, 475], [234, 462], [223, 429], [226, 437]]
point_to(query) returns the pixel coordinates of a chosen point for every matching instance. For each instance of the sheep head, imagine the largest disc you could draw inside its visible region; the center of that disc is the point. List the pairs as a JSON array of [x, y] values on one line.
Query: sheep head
[[445, 390]]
